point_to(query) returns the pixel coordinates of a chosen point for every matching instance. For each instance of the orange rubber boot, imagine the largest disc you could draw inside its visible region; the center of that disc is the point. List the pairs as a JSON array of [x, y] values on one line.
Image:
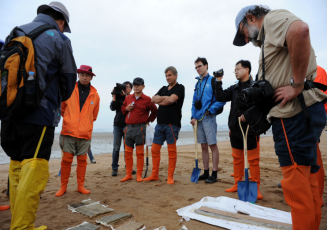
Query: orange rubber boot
[[253, 158], [66, 164], [155, 150], [140, 162], [320, 175], [297, 193], [129, 163], [316, 199], [80, 171], [5, 207], [238, 164], [172, 154]]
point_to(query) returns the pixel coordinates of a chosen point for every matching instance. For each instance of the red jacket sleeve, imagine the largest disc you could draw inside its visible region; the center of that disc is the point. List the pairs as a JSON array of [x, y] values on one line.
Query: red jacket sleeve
[[123, 107], [154, 111]]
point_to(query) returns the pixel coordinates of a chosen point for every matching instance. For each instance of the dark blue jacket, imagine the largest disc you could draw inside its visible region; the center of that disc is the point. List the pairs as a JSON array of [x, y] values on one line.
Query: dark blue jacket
[[53, 57]]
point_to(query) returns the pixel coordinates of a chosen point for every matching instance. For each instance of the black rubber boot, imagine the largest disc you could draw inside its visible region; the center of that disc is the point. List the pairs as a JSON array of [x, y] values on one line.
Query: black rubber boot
[[205, 175], [213, 178]]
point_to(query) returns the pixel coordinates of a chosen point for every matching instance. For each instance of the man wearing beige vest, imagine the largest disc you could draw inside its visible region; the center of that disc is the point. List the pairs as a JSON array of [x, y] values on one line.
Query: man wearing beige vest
[[289, 61]]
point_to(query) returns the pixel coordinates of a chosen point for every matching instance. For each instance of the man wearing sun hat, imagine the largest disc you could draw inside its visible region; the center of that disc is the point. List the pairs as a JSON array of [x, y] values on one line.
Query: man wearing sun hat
[[56, 72], [79, 113]]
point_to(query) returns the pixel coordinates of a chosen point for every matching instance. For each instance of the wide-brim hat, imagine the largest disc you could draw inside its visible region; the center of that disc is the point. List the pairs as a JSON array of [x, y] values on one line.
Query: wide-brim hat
[[57, 6], [239, 40], [85, 69]]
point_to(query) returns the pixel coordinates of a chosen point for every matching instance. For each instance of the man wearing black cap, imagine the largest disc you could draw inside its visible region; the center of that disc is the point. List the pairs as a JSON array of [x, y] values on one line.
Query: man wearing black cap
[[136, 107], [21, 139], [289, 61]]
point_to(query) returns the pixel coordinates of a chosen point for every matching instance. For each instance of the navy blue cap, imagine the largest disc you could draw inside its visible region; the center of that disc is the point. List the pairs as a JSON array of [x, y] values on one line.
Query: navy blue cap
[[239, 39], [138, 81]]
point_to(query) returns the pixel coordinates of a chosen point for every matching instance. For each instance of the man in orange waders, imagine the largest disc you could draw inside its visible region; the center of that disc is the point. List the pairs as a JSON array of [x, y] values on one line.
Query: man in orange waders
[[299, 117], [242, 73], [136, 107], [170, 100], [79, 113]]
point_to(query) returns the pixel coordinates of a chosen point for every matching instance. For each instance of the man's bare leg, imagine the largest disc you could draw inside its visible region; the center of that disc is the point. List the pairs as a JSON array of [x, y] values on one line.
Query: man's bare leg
[[215, 156]]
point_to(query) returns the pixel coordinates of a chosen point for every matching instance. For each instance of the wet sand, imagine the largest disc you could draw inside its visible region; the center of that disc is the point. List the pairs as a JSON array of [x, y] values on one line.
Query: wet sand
[[153, 203]]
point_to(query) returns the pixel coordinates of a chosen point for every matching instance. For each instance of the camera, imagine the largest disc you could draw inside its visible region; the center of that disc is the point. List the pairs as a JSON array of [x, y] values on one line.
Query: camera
[[198, 104], [218, 73], [260, 91], [118, 89]]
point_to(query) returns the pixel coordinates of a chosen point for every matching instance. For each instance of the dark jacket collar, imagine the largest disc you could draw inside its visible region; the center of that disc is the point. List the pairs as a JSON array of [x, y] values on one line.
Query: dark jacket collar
[[82, 86], [47, 20], [248, 82]]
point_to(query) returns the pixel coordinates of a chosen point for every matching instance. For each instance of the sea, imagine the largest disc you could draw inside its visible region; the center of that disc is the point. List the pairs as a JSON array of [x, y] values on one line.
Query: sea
[[102, 143]]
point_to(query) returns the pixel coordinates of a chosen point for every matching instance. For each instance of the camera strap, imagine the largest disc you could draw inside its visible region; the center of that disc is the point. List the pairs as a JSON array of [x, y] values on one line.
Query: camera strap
[[197, 96]]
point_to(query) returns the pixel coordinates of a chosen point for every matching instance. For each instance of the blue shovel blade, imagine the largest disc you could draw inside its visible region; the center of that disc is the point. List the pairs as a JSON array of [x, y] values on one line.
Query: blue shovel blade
[[247, 190], [59, 174], [196, 173]]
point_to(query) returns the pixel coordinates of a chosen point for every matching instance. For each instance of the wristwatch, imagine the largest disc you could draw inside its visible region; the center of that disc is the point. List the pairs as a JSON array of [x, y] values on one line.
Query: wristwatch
[[295, 85]]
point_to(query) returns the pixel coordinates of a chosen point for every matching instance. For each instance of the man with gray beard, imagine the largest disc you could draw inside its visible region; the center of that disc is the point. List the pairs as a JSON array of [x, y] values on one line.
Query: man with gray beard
[[298, 120]]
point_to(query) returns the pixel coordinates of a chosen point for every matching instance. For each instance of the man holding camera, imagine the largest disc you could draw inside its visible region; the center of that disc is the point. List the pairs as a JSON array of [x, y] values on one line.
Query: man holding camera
[[299, 118], [119, 94], [136, 107], [242, 73], [204, 111], [170, 100]]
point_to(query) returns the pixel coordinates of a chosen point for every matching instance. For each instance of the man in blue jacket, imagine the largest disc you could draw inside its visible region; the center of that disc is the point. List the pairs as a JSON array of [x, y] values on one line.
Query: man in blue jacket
[[204, 111], [56, 70]]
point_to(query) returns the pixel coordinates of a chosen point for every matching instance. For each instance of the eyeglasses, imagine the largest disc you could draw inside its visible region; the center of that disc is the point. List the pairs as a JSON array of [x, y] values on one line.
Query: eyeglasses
[[236, 70], [199, 66]]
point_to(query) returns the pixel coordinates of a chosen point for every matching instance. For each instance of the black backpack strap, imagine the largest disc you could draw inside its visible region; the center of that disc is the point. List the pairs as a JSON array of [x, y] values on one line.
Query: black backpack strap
[[39, 30]]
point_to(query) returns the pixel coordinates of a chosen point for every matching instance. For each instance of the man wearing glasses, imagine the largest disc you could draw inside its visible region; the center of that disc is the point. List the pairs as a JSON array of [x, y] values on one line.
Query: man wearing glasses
[[119, 124], [136, 107], [242, 73], [204, 111], [289, 61]]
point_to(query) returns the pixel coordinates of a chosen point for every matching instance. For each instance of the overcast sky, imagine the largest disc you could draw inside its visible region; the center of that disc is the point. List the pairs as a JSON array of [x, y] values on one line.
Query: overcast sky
[[125, 39]]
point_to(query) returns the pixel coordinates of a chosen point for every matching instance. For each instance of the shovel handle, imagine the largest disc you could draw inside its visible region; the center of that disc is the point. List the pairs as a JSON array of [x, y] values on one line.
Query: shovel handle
[[245, 142], [195, 131], [147, 151]]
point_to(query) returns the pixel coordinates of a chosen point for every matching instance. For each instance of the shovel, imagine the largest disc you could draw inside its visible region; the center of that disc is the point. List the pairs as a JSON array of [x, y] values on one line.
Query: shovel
[[147, 161], [196, 171], [247, 191]]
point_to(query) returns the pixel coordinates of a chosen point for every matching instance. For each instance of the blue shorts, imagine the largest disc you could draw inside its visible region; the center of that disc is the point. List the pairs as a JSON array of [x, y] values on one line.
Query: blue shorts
[[303, 144], [207, 130], [164, 133]]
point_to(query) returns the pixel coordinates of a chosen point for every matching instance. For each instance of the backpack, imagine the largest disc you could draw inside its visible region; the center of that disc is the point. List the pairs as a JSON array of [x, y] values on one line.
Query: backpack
[[19, 93]]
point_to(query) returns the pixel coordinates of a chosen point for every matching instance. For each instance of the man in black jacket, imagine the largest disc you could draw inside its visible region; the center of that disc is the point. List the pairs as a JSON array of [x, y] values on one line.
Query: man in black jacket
[[242, 73], [119, 125]]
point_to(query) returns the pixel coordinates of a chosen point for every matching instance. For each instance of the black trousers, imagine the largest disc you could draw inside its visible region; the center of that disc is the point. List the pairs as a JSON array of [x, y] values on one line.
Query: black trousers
[[20, 140], [236, 140]]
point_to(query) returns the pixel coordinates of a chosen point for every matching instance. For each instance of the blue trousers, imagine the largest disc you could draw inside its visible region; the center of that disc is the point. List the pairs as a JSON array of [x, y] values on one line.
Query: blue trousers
[[303, 143], [118, 136]]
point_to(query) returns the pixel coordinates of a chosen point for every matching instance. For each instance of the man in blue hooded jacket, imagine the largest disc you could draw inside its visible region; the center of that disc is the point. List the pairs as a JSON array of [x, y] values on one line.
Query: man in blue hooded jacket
[[204, 111]]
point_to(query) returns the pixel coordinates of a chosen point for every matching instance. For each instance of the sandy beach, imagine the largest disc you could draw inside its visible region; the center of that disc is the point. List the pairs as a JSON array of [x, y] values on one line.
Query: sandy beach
[[153, 204]]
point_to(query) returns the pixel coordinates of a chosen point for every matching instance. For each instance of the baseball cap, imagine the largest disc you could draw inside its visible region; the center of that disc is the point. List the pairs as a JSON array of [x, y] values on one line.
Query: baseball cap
[[57, 6], [138, 81], [239, 39]]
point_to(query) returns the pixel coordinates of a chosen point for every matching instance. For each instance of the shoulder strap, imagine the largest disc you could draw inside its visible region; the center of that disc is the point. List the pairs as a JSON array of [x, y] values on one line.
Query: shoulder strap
[[39, 30]]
